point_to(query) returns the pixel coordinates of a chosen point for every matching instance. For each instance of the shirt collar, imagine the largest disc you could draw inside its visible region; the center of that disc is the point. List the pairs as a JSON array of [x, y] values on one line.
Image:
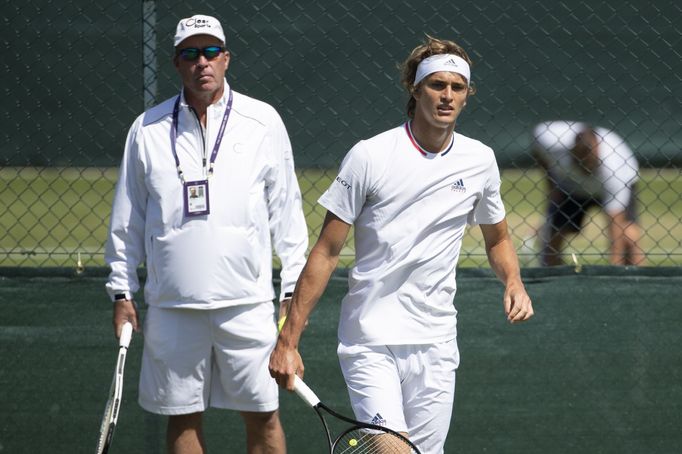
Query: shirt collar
[[221, 103]]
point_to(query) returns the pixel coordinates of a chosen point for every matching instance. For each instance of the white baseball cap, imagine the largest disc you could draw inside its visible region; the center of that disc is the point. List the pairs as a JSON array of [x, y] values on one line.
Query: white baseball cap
[[198, 25]]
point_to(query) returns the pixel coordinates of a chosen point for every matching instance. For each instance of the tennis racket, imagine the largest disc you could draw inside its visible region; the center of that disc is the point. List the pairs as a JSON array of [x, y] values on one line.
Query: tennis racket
[[106, 430], [357, 437]]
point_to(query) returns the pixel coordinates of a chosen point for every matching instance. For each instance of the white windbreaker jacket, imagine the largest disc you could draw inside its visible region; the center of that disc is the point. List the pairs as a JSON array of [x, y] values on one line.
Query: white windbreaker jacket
[[223, 258]]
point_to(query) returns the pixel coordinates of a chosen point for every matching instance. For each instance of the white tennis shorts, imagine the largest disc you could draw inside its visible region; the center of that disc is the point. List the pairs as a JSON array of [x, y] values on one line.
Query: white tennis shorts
[[193, 359], [407, 388]]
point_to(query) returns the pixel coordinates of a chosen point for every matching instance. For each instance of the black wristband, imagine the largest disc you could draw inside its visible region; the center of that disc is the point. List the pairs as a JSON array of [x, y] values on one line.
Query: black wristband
[[288, 295], [120, 297]]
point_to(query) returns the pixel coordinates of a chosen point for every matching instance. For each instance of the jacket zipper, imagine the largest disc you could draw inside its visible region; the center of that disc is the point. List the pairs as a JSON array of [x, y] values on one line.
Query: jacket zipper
[[203, 138]]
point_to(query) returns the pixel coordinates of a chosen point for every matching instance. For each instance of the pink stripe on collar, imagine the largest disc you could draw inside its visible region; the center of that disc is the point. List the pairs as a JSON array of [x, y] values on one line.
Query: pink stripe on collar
[[419, 148]]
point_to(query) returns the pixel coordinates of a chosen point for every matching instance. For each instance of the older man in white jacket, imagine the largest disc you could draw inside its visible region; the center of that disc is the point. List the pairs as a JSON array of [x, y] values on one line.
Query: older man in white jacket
[[206, 190]]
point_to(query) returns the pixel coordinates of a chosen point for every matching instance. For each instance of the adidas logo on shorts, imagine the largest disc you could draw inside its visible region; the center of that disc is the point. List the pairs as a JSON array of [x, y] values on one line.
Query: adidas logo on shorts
[[378, 420]]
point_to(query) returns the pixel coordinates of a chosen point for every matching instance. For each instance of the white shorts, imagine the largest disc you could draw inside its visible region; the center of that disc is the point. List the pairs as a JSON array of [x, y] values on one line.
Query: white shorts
[[193, 359], [407, 388]]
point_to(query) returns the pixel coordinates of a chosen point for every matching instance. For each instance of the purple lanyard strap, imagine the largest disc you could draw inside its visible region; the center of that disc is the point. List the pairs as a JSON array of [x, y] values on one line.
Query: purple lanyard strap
[[216, 146]]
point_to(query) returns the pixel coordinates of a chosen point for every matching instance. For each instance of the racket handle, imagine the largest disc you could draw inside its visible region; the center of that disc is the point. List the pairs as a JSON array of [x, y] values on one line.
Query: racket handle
[[126, 334], [305, 393]]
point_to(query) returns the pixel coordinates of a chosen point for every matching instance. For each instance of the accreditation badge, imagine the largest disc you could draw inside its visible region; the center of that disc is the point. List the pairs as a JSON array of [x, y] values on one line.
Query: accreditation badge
[[196, 198]]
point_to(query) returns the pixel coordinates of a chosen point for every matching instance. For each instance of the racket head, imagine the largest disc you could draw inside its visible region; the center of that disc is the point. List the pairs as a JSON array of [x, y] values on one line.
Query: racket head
[[368, 438], [360, 437], [106, 429], [113, 405], [376, 440]]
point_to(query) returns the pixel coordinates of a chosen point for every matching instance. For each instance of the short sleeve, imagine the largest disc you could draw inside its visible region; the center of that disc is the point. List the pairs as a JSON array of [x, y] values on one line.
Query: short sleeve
[[346, 195], [490, 208]]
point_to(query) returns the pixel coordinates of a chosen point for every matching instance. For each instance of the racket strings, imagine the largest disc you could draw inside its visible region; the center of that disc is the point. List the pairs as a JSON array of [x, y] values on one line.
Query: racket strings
[[361, 441]]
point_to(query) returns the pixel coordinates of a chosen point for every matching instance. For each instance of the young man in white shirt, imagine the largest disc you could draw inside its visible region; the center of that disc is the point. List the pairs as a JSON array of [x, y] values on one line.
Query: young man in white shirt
[[206, 190], [410, 193], [588, 167]]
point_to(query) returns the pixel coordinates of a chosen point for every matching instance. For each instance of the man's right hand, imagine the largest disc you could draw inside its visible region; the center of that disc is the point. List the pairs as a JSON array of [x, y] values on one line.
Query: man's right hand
[[124, 311], [284, 364]]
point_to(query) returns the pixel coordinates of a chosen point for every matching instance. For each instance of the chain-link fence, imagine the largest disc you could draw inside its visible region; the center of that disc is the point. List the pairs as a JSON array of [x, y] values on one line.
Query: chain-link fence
[[75, 74]]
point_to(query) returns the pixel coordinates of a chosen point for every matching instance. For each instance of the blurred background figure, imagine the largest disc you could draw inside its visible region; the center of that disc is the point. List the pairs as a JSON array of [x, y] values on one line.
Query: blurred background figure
[[585, 167]]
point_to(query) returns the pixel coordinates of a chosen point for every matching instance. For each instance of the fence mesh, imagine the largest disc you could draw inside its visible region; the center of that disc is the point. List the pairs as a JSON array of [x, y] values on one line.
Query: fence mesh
[[75, 74]]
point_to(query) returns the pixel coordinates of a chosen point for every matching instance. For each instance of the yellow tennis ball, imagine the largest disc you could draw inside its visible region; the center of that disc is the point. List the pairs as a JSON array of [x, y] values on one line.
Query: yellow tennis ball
[[352, 442], [280, 323]]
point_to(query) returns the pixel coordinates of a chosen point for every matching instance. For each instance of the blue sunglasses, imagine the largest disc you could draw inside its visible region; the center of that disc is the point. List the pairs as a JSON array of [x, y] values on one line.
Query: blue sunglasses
[[193, 53]]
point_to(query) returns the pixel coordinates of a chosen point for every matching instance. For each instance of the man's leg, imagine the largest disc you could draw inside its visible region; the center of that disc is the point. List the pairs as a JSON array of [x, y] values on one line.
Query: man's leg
[[264, 433], [552, 253], [634, 255], [551, 243], [184, 434], [565, 216]]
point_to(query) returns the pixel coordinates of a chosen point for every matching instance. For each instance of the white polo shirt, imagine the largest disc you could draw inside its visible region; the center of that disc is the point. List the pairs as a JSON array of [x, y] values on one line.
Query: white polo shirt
[[410, 210], [611, 183]]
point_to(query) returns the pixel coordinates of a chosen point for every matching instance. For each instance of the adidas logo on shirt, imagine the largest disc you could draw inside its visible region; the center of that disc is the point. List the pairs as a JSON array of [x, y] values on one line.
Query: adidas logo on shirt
[[458, 186], [378, 420]]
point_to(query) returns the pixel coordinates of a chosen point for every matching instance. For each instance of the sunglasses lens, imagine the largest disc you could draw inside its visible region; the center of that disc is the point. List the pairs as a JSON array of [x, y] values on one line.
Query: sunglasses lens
[[190, 53], [212, 52]]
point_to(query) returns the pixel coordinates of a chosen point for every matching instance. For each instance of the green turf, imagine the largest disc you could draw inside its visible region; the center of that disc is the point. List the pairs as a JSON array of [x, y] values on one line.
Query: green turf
[[53, 214], [598, 370]]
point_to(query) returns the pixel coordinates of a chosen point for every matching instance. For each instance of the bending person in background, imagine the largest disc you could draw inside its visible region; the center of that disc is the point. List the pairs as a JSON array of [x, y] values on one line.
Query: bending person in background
[[410, 193], [206, 191], [588, 167]]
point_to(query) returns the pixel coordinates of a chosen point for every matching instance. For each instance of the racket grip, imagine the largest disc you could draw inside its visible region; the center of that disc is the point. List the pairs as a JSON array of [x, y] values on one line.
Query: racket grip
[[305, 393], [126, 335]]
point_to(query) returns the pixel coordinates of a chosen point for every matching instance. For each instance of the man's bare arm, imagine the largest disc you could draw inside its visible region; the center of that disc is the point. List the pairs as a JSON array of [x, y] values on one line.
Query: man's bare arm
[[285, 360]]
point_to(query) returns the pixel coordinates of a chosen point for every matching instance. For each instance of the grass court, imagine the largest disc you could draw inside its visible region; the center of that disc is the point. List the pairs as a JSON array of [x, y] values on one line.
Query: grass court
[[53, 214]]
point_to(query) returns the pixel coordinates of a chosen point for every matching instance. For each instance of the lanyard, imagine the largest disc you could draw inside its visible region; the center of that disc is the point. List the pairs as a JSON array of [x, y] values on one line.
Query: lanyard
[[219, 138]]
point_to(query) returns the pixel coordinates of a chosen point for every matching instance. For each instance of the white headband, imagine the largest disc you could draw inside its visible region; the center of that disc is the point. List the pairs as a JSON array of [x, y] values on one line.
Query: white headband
[[442, 62]]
